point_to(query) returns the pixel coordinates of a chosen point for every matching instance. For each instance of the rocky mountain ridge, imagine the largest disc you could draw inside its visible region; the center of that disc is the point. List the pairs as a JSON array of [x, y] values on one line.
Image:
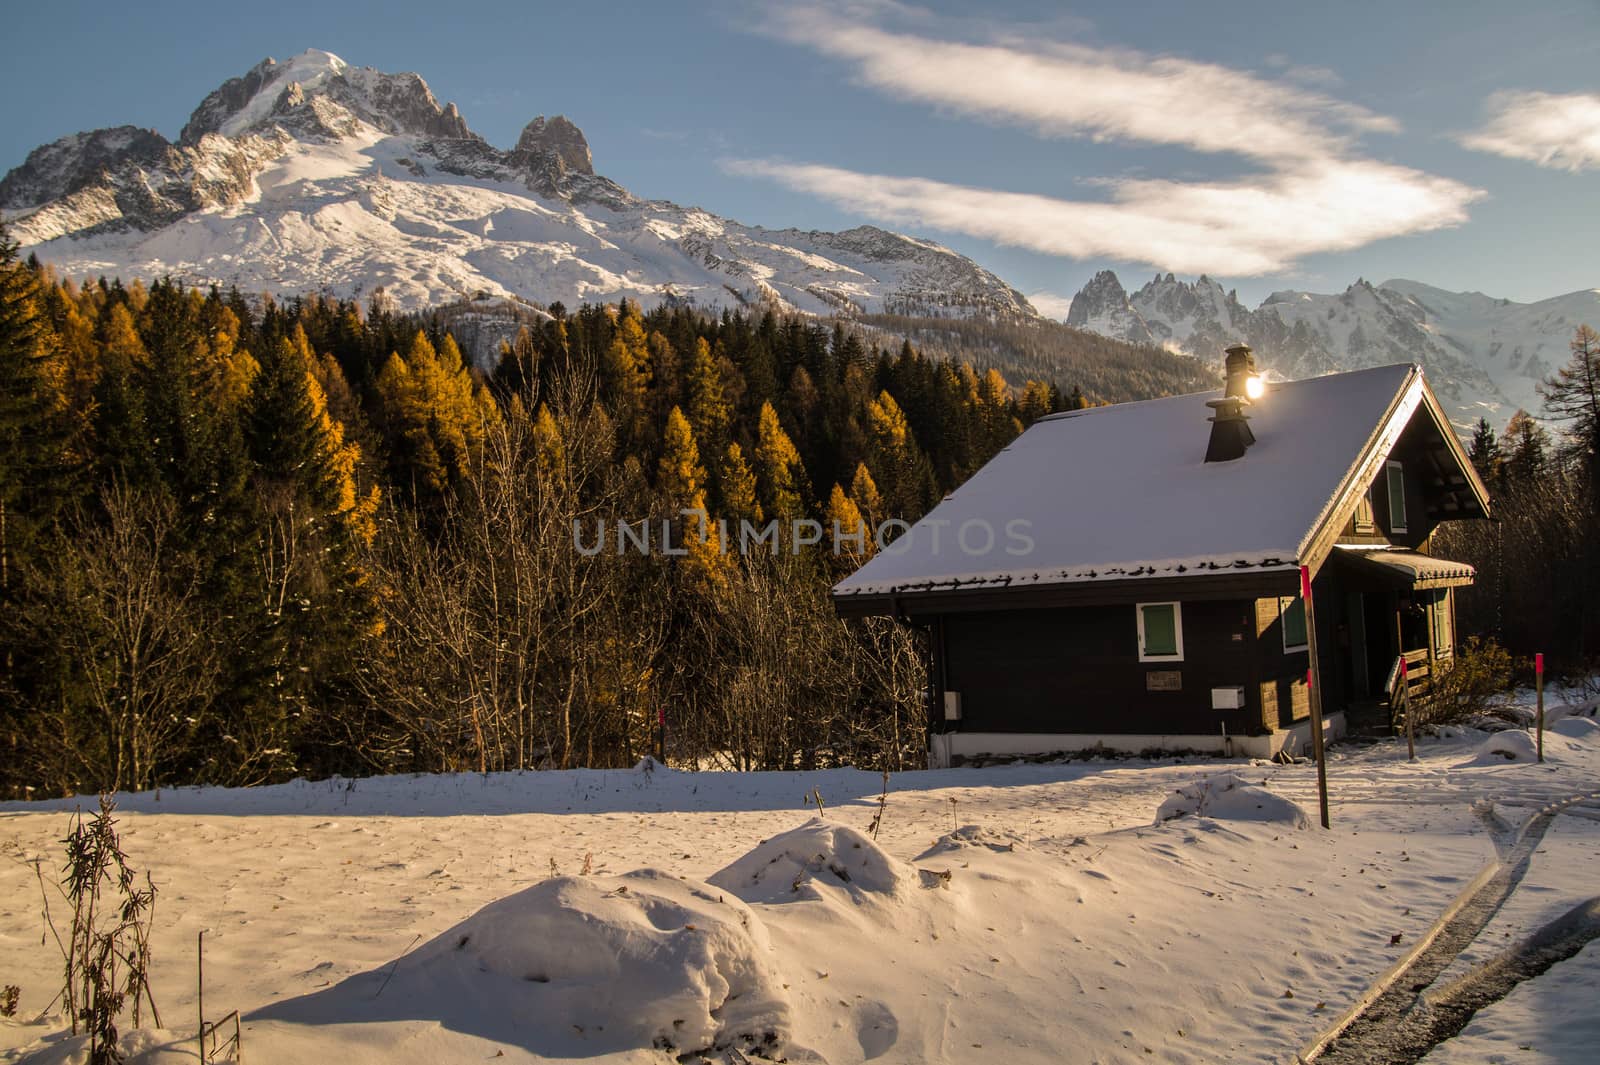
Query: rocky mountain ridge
[[1483, 356], [315, 175]]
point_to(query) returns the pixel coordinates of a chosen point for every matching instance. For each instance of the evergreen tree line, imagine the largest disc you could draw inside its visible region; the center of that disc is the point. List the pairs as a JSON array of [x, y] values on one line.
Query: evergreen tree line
[[242, 541], [1538, 558]]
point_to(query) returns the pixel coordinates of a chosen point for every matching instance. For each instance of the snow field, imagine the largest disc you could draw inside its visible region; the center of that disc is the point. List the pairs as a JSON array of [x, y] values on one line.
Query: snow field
[[1024, 913]]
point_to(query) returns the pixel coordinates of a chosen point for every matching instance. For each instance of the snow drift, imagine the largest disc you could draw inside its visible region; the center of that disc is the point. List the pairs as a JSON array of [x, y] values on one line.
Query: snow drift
[[1512, 745], [1576, 728], [581, 966], [1227, 797], [818, 860]]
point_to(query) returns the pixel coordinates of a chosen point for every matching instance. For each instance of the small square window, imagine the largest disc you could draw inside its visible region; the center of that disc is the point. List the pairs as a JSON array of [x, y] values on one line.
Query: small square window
[[1160, 632], [1397, 497], [1292, 614]]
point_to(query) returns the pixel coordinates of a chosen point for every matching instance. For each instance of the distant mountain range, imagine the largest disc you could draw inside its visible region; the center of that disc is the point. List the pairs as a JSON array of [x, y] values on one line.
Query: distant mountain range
[[1484, 356], [312, 175]]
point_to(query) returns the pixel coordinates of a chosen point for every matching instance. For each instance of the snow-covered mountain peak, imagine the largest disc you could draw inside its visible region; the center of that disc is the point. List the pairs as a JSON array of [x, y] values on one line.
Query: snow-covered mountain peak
[[312, 174], [317, 94], [1102, 307], [304, 74]]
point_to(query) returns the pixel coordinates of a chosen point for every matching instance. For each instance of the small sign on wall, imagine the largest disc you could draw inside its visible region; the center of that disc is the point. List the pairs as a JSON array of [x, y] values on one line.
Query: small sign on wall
[[1163, 680]]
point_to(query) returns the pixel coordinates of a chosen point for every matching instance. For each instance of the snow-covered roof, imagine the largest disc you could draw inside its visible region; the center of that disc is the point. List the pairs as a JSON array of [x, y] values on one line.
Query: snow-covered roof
[[1124, 492]]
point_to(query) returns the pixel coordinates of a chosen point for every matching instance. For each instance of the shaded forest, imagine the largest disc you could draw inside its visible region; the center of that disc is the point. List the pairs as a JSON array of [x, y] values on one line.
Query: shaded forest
[[1538, 557], [246, 540]]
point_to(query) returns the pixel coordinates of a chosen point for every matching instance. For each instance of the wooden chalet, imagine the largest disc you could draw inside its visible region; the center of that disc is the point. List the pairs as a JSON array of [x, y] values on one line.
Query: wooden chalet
[[1129, 576]]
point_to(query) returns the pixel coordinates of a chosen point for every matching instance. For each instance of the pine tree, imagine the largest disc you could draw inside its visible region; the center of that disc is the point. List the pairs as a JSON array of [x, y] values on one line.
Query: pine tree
[[681, 481], [864, 492], [1573, 395], [1485, 452], [680, 477], [709, 412], [280, 424], [31, 438], [909, 479], [779, 472], [625, 374], [1528, 446], [550, 451], [1035, 402], [414, 461], [737, 486], [846, 530]]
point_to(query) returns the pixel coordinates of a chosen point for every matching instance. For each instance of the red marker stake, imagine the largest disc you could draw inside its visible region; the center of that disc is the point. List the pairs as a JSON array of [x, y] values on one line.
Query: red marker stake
[[1315, 695], [1538, 684]]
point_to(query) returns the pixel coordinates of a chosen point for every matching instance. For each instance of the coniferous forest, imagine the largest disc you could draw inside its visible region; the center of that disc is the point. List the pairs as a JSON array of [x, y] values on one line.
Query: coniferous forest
[[245, 540]]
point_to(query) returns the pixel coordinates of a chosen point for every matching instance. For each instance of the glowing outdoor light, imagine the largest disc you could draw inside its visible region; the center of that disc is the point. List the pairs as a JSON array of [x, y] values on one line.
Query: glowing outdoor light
[[1255, 387]]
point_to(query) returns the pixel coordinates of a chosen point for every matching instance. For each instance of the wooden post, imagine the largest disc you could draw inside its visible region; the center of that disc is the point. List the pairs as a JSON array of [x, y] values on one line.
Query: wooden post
[[1314, 690], [1405, 693], [1538, 684], [200, 990]]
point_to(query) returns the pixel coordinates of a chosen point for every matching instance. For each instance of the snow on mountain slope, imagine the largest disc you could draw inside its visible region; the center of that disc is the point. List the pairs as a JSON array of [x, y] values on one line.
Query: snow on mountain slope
[[1483, 356], [313, 175]]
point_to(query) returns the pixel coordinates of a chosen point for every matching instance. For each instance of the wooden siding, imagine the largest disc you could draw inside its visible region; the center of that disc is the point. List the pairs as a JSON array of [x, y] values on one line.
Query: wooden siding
[[1284, 696], [1078, 670]]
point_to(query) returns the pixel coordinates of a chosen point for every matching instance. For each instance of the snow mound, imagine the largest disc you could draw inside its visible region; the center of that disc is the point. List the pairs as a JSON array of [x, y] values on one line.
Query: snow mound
[[1576, 728], [639, 960], [968, 837], [1227, 797], [1513, 745], [817, 860], [1589, 709]]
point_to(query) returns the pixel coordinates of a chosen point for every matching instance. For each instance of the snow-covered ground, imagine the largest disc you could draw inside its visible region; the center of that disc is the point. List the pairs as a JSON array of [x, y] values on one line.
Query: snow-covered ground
[[1017, 913]]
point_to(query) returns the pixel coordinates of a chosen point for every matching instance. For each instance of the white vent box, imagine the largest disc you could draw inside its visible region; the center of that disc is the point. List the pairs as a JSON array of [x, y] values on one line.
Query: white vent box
[[1227, 698], [952, 706]]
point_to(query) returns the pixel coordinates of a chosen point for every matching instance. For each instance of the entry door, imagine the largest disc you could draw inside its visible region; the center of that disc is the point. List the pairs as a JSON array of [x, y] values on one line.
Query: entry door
[[1355, 609]]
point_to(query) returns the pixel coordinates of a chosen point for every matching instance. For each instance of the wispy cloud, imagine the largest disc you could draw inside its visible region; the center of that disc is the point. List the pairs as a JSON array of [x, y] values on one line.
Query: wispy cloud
[[1239, 229], [1312, 190], [1558, 131], [1051, 304], [1062, 89]]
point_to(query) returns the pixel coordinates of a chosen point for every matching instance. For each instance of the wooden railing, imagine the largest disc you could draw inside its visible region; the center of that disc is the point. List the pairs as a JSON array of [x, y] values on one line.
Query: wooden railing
[[1400, 693]]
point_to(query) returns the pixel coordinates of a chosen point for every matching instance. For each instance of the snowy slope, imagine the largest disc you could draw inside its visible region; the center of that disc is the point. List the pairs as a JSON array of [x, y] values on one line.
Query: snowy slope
[[1483, 356], [1013, 913], [313, 175]]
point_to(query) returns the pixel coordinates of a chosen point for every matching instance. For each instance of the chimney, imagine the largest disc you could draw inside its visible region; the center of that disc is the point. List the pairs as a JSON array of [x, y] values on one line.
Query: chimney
[[1230, 425]]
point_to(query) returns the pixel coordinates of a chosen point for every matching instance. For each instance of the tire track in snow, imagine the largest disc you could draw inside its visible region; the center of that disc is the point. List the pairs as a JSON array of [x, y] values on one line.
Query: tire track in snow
[[1385, 1026]]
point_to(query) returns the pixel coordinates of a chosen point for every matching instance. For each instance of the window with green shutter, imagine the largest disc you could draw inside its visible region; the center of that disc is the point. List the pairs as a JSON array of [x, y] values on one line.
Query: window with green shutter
[[1160, 632], [1397, 497], [1292, 615]]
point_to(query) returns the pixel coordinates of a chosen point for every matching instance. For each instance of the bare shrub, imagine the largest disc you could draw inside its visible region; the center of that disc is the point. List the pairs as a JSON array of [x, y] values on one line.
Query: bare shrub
[[106, 953], [1475, 686]]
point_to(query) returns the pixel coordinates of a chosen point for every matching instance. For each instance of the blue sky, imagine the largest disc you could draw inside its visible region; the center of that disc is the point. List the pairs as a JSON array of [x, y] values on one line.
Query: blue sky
[[1273, 145]]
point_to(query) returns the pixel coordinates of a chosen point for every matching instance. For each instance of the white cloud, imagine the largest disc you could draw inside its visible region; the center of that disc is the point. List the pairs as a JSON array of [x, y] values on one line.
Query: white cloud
[[1245, 228], [1313, 192], [1051, 304], [1063, 89], [1561, 132]]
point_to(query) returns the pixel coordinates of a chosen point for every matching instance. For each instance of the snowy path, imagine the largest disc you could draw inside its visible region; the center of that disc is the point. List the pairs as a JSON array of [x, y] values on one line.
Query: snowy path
[[1067, 929], [1403, 1022]]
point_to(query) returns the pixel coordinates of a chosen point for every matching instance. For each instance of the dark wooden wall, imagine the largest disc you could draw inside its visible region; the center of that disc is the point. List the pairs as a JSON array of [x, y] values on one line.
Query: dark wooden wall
[[1078, 670]]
